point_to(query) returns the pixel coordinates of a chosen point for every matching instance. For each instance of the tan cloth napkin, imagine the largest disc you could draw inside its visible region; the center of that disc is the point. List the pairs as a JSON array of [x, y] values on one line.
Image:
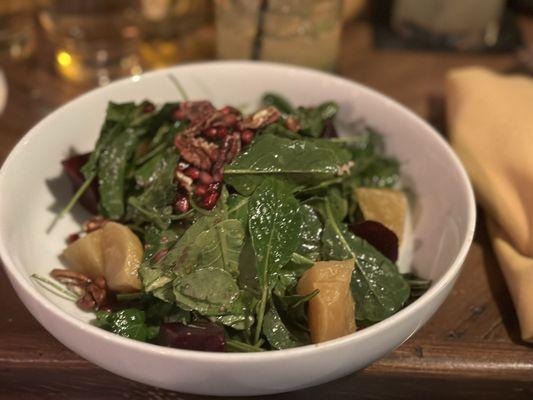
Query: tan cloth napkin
[[490, 117]]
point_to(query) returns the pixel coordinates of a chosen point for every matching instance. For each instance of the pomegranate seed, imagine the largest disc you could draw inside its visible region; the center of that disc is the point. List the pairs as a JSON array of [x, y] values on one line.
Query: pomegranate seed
[[211, 133], [205, 178], [227, 110], [247, 136], [230, 119], [72, 238], [200, 190], [222, 132], [182, 204], [210, 200], [160, 254], [193, 173], [148, 107]]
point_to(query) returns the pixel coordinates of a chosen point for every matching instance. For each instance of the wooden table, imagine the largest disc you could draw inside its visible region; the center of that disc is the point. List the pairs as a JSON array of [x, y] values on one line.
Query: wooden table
[[469, 349]]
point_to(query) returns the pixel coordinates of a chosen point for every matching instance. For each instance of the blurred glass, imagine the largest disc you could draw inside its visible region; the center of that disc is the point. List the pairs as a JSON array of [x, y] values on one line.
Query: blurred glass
[[176, 31], [95, 40], [464, 24], [17, 30], [303, 32]]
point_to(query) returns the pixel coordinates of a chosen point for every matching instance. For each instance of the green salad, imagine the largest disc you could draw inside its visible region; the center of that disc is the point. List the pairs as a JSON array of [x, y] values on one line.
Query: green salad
[[216, 230]]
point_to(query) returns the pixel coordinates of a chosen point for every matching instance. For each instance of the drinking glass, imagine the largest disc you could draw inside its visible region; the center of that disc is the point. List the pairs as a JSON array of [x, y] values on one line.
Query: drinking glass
[[176, 31], [95, 40], [17, 31], [303, 32]]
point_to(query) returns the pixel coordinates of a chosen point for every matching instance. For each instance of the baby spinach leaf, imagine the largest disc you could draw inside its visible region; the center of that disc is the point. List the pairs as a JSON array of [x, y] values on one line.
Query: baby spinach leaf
[[159, 194], [313, 120], [117, 117], [210, 291], [221, 246], [378, 288], [278, 129], [273, 99], [238, 209], [310, 233], [248, 279], [381, 172], [297, 162], [277, 334], [274, 224], [129, 323], [289, 274], [111, 173]]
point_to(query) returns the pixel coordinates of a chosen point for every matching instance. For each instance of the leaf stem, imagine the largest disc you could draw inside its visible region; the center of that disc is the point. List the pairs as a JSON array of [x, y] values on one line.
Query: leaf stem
[[180, 88], [48, 285], [72, 202], [261, 313]]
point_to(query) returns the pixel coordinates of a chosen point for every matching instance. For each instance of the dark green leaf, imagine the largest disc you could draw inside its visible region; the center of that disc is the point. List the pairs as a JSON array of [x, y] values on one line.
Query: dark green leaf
[[277, 334], [313, 120], [378, 288], [274, 223], [282, 104], [238, 209], [310, 233], [129, 323], [297, 162]]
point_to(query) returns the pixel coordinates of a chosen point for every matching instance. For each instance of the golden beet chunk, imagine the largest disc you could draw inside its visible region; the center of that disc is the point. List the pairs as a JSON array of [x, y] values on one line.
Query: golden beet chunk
[[85, 255], [123, 253], [387, 206], [331, 313]]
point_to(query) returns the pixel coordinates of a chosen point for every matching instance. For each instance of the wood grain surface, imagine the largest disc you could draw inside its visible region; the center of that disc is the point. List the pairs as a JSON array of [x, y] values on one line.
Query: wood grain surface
[[470, 349]]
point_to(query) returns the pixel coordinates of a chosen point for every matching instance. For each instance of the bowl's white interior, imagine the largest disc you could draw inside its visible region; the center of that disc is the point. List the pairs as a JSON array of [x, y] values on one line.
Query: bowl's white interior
[[32, 182]]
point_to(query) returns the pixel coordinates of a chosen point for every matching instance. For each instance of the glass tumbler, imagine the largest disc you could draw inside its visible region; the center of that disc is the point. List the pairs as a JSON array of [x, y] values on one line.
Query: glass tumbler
[[95, 40], [303, 32]]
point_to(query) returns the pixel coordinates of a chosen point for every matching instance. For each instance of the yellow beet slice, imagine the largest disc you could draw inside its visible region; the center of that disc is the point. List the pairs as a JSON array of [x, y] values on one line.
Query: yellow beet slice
[[85, 255], [123, 253], [331, 313], [387, 206]]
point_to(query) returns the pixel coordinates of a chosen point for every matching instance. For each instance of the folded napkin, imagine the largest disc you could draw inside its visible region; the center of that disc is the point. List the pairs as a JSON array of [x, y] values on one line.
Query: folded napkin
[[490, 119]]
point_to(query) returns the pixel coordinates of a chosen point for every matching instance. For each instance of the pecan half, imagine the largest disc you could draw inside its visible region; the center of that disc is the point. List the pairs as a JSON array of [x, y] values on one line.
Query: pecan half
[[197, 111], [260, 119], [184, 181], [230, 148], [93, 294], [196, 150]]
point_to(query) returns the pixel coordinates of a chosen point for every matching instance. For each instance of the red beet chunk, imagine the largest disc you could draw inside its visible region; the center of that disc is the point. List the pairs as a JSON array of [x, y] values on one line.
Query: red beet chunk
[[90, 197], [200, 335], [379, 236]]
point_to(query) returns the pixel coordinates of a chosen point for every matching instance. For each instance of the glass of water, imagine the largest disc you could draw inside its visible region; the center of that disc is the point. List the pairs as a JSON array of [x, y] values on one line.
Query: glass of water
[[95, 40], [303, 32]]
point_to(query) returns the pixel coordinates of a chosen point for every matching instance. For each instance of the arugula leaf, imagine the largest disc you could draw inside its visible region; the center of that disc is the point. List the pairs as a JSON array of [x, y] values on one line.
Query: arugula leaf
[[288, 276], [274, 224], [378, 288], [381, 172], [297, 162], [129, 323]]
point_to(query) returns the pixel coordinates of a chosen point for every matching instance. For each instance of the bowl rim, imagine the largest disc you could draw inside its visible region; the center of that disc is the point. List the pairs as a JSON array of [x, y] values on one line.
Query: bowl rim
[[449, 276]]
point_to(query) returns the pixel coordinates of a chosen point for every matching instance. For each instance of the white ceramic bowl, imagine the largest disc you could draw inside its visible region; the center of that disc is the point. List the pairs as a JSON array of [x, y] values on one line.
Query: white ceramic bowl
[[444, 219]]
